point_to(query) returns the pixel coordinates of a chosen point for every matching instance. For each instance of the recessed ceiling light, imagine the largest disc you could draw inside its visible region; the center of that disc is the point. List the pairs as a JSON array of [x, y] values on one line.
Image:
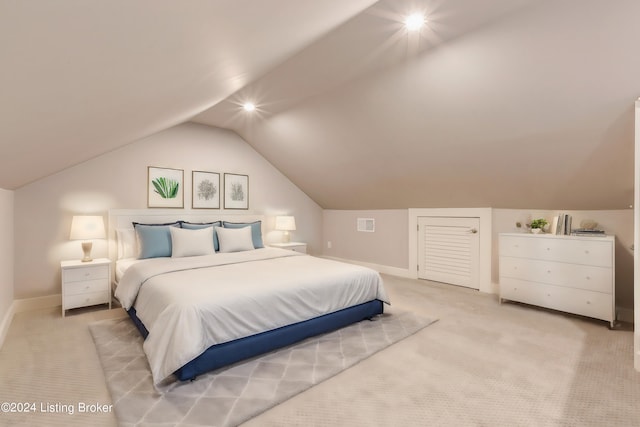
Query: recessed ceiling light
[[249, 106], [414, 22]]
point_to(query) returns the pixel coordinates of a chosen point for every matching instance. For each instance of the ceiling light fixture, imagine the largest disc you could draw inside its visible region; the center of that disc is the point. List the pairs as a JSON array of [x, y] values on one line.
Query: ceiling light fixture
[[414, 22], [248, 106]]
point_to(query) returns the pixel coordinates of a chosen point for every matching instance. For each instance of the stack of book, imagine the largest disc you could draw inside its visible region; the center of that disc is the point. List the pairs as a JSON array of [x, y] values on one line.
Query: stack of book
[[587, 232]]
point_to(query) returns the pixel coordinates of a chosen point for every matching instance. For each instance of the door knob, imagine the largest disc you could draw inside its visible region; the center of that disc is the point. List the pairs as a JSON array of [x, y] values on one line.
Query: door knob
[[473, 231]]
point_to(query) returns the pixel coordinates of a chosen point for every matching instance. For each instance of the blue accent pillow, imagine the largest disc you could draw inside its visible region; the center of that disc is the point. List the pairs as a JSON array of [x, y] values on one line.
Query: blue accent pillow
[[198, 226], [154, 240], [256, 230]]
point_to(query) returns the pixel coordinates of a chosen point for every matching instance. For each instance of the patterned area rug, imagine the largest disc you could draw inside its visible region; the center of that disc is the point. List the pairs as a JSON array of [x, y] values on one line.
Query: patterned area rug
[[232, 395]]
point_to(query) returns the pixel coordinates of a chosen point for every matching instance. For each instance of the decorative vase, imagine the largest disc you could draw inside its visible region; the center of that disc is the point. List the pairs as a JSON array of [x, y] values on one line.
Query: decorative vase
[[536, 230]]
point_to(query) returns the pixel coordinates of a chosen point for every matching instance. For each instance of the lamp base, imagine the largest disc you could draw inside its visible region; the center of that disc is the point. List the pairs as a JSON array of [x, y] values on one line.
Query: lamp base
[[285, 237], [86, 248]]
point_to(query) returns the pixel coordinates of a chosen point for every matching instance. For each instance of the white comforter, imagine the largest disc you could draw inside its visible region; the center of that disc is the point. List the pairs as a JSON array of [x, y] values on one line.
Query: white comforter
[[190, 304]]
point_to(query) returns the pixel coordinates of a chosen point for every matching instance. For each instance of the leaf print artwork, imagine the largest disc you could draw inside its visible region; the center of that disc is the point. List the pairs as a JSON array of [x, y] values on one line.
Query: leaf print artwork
[[166, 188]]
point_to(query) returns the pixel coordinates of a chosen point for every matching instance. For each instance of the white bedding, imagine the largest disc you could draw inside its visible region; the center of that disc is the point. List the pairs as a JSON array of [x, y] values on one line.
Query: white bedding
[[190, 304], [123, 265]]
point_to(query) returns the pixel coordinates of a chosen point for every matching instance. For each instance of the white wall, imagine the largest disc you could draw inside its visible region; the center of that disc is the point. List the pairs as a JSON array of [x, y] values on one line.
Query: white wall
[[388, 245], [118, 180], [6, 259]]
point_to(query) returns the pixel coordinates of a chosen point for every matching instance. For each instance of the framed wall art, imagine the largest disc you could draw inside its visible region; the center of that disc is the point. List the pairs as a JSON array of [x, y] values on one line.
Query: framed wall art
[[206, 190], [236, 191], [165, 187]]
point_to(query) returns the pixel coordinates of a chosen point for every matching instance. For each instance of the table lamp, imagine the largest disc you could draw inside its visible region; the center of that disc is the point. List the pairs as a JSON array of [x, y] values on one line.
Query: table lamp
[[286, 224], [87, 227]]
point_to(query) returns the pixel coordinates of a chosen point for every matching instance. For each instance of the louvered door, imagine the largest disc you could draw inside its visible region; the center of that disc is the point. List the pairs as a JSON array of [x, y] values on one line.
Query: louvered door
[[449, 250]]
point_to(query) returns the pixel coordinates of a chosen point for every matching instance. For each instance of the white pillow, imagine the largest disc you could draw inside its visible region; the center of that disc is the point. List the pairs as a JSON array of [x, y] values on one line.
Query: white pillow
[[235, 239], [127, 245], [185, 242]]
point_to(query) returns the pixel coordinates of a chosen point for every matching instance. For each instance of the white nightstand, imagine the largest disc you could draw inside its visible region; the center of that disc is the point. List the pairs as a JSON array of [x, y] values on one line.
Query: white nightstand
[[85, 283], [292, 246]]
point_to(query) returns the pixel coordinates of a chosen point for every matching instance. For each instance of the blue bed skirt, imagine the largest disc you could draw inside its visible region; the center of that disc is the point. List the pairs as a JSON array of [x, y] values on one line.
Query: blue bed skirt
[[227, 353]]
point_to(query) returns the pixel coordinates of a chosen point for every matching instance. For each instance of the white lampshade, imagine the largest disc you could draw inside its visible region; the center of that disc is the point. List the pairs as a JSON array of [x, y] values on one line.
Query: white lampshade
[[286, 224], [86, 227]]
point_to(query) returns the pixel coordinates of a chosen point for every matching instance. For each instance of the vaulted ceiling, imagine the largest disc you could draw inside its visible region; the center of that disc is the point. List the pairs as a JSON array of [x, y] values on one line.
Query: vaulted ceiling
[[503, 103]]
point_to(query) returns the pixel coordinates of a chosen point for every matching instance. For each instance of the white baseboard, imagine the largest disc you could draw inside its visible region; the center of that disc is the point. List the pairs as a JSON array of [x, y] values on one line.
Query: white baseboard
[[384, 269], [6, 322], [28, 304]]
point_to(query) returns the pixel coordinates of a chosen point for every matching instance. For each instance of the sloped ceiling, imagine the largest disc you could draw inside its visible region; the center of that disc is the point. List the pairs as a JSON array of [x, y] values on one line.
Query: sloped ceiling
[[503, 103], [80, 78], [498, 103]]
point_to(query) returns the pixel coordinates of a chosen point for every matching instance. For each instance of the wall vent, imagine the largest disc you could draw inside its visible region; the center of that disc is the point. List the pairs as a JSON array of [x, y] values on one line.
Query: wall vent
[[367, 225]]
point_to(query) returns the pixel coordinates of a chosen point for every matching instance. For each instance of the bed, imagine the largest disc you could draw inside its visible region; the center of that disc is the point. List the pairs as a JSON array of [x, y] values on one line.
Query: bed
[[202, 312]]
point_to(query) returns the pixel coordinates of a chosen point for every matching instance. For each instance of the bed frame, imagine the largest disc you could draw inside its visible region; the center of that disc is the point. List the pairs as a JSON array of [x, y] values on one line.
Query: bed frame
[[220, 355], [225, 354]]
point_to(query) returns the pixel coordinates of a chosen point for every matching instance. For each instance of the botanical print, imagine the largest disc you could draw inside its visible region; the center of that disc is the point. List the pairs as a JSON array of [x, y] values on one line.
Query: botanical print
[[236, 191], [206, 190], [165, 187]]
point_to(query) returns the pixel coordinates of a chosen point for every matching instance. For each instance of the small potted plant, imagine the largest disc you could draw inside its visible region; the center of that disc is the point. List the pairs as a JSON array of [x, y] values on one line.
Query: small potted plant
[[537, 225]]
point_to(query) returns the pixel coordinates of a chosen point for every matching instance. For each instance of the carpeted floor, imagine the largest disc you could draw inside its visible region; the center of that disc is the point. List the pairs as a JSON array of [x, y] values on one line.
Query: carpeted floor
[[482, 364], [230, 396]]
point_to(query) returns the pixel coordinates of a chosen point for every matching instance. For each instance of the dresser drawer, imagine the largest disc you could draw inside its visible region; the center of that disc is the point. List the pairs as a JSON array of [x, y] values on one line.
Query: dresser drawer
[[87, 286], [83, 300], [597, 279], [85, 273], [586, 303], [579, 251]]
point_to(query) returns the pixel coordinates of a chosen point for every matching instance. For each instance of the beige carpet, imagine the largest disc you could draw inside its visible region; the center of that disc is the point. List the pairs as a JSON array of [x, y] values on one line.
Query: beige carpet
[[482, 364], [230, 396]]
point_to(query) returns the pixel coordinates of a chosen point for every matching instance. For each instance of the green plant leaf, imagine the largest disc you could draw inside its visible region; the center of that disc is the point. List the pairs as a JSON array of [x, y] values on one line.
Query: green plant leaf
[[166, 188]]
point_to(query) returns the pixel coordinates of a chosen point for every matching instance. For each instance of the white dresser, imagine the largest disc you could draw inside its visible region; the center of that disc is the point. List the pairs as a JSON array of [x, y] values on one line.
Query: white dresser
[[85, 283], [568, 273]]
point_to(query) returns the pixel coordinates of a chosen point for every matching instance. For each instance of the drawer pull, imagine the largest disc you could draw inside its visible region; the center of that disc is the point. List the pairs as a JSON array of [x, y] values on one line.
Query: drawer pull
[[588, 278], [548, 249], [588, 302], [549, 271], [586, 252]]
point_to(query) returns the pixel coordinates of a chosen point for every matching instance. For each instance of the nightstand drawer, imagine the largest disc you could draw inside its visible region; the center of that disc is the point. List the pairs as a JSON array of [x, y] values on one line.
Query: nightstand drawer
[[83, 300], [85, 273], [87, 286]]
